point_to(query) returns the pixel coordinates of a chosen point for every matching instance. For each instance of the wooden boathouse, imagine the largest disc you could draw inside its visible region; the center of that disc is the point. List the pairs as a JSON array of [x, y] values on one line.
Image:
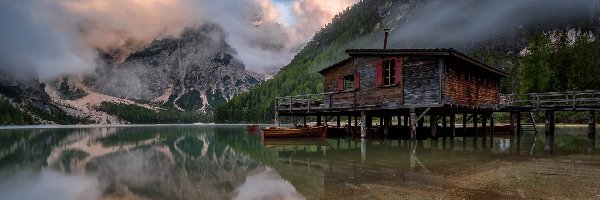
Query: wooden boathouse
[[410, 84]]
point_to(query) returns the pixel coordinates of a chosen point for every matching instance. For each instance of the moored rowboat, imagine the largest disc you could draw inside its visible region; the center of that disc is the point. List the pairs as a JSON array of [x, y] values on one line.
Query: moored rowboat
[[251, 128], [283, 132]]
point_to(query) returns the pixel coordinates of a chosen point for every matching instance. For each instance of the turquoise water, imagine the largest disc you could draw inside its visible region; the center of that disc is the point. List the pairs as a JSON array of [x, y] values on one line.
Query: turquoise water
[[227, 162]]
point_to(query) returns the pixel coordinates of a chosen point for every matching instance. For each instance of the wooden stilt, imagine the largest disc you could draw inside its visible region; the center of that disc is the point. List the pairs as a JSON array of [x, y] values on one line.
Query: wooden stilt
[[433, 127], [444, 124], [592, 132], [513, 130], [406, 120], [518, 127], [549, 133], [363, 125], [464, 131], [420, 125], [492, 124], [413, 127], [319, 120], [476, 133], [304, 121], [484, 135], [350, 121], [386, 125], [339, 121], [452, 130]]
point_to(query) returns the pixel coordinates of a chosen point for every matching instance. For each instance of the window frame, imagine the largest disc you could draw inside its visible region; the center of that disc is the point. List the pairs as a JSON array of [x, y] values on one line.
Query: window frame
[[389, 72], [348, 83]]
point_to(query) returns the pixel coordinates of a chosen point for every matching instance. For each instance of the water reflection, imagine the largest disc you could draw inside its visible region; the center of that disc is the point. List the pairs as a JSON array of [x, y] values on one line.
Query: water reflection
[[224, 162]]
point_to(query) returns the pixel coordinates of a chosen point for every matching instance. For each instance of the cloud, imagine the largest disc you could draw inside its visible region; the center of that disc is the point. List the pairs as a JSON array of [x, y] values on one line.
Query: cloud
[[50, 38], [465, 23]]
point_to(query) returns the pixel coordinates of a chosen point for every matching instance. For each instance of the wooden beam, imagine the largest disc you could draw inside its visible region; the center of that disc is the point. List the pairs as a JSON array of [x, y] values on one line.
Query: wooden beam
[[492, 124], [484, 119], [452, 130], [433, 127], [476, 134], [413, 126], [592, 132], [363, 125], [464, 131], [339, 121], [549, 133], [513, 129], [518, 130], [319, 120]]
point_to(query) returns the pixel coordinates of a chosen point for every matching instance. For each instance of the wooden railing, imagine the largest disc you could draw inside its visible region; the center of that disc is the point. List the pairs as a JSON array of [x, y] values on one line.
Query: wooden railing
[[307, 102], [567, 100], [551, 100]]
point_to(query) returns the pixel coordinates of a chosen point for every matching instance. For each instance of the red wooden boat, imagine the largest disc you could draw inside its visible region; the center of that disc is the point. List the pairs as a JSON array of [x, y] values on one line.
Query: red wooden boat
[[283, 132], [252, 128]]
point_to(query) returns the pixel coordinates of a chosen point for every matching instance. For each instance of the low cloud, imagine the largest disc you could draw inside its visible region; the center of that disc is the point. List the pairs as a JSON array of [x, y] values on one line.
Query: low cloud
[[51, 38]]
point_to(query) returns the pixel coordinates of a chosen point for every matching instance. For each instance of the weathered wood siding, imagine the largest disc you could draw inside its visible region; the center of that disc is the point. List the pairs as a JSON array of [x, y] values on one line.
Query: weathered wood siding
[[369, 95], [422, 80], [469, 86], [427, 80], [342, 99]]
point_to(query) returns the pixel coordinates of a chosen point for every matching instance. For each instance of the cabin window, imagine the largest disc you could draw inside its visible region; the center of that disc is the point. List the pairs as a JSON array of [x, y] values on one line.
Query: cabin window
[[348, 82], [389, 72]]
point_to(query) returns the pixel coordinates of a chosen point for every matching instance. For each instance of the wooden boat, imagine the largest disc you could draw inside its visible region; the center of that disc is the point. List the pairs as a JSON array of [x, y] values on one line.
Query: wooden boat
[[283, 132], [252, 128]]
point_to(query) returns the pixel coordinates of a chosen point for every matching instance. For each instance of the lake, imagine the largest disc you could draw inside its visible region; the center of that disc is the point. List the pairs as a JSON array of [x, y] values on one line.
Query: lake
[[227, 162]]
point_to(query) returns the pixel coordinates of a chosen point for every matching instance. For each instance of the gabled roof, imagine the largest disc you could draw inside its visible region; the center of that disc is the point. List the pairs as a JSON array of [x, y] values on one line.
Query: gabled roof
[[416, 52]]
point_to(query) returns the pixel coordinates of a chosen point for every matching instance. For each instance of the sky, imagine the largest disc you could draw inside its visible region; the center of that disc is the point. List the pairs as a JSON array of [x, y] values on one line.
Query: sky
[[49, 38]]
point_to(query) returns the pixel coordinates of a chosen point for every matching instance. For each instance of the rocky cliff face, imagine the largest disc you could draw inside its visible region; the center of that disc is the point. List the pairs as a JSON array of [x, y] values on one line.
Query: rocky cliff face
[[192, 73]]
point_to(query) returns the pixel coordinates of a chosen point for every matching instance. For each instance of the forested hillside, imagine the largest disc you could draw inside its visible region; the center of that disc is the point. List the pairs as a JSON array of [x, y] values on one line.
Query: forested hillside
[[300, 76]]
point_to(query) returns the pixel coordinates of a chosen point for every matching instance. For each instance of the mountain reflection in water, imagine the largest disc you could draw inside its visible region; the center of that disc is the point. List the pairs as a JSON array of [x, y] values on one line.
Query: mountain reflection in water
[[226, 162]]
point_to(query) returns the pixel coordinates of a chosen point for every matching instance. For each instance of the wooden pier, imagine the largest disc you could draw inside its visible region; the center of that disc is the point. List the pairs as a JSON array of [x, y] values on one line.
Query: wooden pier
[[442, 118]]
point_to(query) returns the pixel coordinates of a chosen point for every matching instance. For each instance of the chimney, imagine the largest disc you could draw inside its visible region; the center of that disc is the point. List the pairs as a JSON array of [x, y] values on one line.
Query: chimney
[[387, 32]]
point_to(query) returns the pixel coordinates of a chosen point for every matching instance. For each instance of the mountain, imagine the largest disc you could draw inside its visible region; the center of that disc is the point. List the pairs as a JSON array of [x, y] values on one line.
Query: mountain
[[495, 32], [172, 80], [195, 72]]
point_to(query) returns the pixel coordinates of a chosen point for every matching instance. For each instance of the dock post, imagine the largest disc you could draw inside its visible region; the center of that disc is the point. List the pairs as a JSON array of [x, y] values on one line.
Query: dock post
[[413, 127], [405, 120], [304, 120], [433, 128], [513, 130], [387, 123], [444, 125], [492, 124], [549, 133], [277, 119], [319, 120], [484, 126], [476, 134], [592, 132], [339, 119], [452, 130], [350, 121], [464, 118], [518, 129], [363, 124], [420, 127]]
